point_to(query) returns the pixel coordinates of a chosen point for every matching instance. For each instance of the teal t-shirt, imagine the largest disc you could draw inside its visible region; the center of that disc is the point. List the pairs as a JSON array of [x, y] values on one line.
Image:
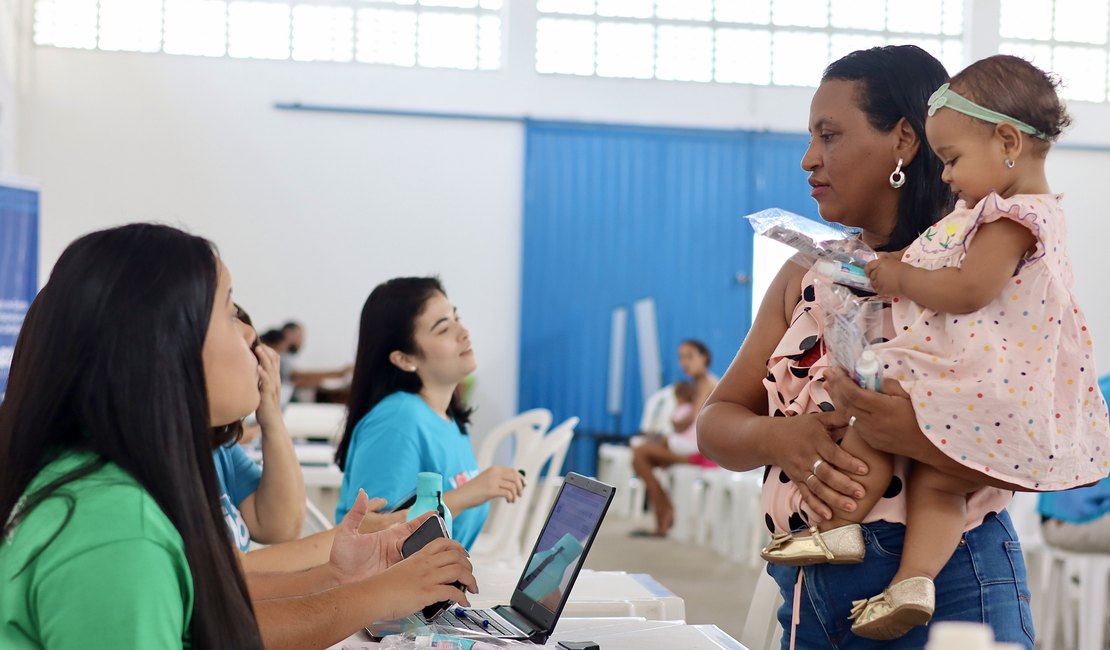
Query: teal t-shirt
[[115, 576], [400, 437], [239, 477]]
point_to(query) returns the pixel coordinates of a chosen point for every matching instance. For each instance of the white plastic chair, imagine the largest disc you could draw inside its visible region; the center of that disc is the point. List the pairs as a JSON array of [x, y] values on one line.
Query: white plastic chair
[[315, 521], [761, 627], [525, 428], [1090, 603], [559, 442], [503, 538], [657, 412]]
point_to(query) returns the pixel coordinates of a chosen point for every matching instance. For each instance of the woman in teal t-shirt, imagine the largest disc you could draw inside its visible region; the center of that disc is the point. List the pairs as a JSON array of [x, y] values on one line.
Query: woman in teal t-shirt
[[405, 414]]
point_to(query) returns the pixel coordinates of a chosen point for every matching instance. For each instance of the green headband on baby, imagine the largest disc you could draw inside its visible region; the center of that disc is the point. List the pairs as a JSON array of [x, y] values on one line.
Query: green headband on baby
[[945, 97]]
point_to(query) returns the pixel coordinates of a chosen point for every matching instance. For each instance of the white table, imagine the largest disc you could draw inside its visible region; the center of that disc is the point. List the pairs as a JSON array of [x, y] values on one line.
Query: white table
[[316, 463], [614, 634], [595, 593]]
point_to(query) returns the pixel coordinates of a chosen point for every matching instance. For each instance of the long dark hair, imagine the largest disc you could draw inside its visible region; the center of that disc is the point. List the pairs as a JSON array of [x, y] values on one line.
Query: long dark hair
[[109, 360], [388, 323], [897, 81]]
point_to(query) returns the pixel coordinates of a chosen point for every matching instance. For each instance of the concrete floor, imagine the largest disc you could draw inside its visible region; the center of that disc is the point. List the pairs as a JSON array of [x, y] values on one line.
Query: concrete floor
[[717, 590]]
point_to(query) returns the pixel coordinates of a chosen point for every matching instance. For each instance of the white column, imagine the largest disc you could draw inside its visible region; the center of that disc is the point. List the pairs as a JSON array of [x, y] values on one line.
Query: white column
[[981, 21]]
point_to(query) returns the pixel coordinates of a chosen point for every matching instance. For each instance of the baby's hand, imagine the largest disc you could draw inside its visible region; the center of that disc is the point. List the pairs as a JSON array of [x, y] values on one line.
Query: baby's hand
[[886, 273]]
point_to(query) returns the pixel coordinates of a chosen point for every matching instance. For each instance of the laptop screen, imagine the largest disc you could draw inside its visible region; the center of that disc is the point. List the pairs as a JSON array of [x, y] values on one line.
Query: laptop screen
[[562, 546]]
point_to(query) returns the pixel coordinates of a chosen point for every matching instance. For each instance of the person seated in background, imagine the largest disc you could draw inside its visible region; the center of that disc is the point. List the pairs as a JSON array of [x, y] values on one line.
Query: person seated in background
[[294, 379], [405, 414], [1077, 520], [129, 369], [682, 447]]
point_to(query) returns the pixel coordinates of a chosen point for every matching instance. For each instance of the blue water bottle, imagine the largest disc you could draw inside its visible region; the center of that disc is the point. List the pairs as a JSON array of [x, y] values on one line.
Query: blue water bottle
[[429, 498]]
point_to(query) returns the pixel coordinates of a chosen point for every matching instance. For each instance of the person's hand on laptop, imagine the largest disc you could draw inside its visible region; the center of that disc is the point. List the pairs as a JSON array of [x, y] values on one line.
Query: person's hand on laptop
[[496, 481], [431, 575]]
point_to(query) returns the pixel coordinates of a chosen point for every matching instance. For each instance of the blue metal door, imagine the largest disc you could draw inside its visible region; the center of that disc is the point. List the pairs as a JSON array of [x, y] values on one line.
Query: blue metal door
[[614, 214]]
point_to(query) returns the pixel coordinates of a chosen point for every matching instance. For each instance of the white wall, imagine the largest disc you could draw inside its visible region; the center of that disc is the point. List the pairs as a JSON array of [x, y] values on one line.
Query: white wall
[[311, 210], [12, 45]]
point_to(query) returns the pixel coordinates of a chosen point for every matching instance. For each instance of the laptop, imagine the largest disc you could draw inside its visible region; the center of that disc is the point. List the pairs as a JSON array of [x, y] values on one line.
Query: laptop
[[549, 574]]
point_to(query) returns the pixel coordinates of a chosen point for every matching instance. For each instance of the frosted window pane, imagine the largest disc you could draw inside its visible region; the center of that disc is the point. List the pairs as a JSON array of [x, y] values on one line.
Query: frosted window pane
[[685, 53], [953, 21], [916, 17], [743, 56], [625, 8], [66, 23], [757, 12], [798, 58], [1083, 70], [386, 36], [323, 33], [1083, 21], [258, 30], [858, 14], [465, 4], [1024, 19], [843, 44], [625, 50], [448, 41], [489, 43], [131, 25], [803, 13], [491, 4], [196, 27], [584, 7], [1038, 55], [565, 46], [684, 9], [952, 56]]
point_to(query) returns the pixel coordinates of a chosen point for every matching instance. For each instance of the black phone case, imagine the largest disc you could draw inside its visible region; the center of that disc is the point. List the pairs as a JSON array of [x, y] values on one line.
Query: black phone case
[[420, 538]]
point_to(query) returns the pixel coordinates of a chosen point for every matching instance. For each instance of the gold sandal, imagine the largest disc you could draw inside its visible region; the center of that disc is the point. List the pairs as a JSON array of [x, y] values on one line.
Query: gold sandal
[[843, 545], [901, 607]]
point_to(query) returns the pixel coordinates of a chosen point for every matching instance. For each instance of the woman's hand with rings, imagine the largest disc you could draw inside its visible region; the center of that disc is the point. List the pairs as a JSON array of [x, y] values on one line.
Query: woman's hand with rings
[[810, 438], [885, 420]]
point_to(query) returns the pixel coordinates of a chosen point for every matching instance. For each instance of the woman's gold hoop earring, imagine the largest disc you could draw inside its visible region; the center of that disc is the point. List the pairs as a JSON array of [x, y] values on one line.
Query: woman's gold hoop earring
[[898, 177]]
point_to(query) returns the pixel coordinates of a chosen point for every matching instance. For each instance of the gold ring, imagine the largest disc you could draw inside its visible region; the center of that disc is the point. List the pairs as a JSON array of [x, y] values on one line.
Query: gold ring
[[809, 477]]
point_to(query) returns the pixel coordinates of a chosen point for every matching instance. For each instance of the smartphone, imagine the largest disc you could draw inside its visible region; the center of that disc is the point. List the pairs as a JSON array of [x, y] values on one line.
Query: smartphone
[[430, 530], [402, 503]]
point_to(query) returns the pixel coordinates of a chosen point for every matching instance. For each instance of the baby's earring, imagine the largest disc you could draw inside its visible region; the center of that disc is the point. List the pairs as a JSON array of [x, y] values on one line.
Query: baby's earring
[[1009, 163], [897, 177]]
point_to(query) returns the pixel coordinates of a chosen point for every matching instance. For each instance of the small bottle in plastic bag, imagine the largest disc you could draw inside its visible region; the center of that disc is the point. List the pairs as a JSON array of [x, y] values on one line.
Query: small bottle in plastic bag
[[429, 498], [868, 373]]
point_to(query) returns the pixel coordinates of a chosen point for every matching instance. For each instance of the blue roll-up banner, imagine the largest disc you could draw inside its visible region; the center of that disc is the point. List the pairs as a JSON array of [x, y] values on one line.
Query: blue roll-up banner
[[19, 262]]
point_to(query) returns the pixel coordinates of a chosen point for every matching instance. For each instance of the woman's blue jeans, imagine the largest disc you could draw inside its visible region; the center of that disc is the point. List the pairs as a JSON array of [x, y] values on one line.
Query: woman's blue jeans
[[984, 582]]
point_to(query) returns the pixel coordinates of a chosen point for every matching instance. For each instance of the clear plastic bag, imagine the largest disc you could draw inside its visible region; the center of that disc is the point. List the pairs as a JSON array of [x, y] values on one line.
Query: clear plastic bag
[[814, 241], [443, 637], [853, 325]]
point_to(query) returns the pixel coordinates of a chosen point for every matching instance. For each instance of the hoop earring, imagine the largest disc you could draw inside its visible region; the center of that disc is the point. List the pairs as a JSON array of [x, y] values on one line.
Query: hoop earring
[[1009, 164], [898, 177]]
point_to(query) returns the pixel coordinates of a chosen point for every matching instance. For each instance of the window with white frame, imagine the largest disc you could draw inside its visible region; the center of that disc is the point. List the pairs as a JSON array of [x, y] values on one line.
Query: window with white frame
[[781, 42], [464, 34], [1068, 38]]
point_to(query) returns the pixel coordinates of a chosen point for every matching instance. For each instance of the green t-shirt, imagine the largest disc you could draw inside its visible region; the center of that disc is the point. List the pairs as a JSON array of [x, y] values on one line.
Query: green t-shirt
[[115, 576]]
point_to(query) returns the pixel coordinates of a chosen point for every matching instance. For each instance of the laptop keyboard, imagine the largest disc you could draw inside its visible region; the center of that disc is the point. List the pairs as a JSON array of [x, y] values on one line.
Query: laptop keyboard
[[476, 620]]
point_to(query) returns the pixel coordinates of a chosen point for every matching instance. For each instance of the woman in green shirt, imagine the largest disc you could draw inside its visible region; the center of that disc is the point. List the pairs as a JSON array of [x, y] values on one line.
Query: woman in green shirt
[[127, 360]]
